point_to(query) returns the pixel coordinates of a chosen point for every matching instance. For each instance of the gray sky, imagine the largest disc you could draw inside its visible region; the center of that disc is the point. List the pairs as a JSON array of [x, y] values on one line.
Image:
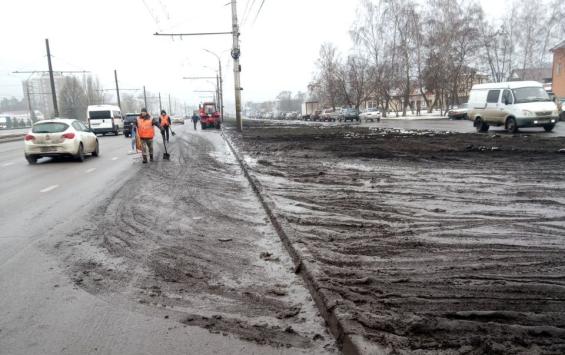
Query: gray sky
[[279, 47]]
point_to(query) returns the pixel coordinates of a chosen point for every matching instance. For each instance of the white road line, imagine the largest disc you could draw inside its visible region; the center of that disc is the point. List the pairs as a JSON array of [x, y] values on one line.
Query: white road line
[[90, 170], [50, 188], [8, 164], [115, 158]]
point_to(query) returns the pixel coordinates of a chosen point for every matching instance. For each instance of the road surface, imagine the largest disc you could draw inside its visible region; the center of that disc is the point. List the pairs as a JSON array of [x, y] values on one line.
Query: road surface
[[52, 215]]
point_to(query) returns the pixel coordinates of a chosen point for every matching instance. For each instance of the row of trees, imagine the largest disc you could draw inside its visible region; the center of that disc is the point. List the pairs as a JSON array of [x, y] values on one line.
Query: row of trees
[[285, 101], [437, 47]]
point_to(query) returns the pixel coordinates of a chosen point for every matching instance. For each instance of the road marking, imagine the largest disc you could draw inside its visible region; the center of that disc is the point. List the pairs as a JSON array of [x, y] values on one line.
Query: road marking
[[8, 164], [90, 170], [115, 158], [50, 188]]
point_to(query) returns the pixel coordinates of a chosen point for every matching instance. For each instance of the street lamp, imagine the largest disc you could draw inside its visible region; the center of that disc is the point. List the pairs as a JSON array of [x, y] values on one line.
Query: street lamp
[[220, 84]]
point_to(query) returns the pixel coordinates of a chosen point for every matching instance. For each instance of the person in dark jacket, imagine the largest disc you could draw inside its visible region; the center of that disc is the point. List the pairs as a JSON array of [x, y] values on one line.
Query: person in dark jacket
[[195, 119], [165, 123]]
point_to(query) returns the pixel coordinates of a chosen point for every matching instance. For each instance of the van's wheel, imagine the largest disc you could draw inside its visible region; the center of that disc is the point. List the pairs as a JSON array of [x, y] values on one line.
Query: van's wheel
[[218, 125], [511, 125], [96, 151], [80, 153], [481, 125], [549, 127]]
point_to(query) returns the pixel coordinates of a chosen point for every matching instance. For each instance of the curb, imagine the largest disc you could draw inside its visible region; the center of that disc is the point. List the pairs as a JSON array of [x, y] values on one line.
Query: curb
[[351, 344], [11, 138]]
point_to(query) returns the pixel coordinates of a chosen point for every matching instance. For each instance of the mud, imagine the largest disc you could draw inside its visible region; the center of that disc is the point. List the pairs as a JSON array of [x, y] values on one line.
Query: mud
[[187, 239], [427, 242]]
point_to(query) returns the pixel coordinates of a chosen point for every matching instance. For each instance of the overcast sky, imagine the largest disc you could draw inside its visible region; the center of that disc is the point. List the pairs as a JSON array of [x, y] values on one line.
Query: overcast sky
[[279, 47]]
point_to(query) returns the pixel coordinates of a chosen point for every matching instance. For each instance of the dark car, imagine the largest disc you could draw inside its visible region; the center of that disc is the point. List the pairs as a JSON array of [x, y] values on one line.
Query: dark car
[[350, 114], [129, 119], [561, 105]]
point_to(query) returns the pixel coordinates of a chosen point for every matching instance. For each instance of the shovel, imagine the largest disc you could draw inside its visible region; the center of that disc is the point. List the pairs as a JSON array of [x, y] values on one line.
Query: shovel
[[166, 155]]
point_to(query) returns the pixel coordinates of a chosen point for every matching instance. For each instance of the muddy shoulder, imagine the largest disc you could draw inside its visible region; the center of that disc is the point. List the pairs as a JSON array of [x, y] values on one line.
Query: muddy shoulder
[[428, 242]]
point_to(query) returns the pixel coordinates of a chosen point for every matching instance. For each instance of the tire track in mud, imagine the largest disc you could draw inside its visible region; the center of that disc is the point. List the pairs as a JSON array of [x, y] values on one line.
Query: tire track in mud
[[187, 238], [430, 250]]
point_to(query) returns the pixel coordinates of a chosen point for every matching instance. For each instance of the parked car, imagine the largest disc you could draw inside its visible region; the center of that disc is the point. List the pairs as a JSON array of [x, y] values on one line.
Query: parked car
[[177, 120], [512, 105], [129, 120], [328, 114], [561, 105], [459, 112], [60, 137], [315, 116], [350, 114], [371, 114]]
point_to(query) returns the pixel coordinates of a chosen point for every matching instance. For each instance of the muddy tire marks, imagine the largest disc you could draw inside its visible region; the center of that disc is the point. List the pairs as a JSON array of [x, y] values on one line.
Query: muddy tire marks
[[426, 242], [187, 237]]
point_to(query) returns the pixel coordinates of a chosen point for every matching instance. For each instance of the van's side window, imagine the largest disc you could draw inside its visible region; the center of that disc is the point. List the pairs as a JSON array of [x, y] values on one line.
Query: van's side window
[[507, 97], [492, 96]]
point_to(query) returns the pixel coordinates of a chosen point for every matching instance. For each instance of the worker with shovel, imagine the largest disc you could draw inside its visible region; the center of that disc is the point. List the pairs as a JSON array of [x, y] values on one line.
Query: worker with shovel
[[146, 133], [165, 122]]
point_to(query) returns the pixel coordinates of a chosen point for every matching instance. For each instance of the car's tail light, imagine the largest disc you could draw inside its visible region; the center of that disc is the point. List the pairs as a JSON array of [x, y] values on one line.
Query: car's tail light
[[29, 137], [69, 135]]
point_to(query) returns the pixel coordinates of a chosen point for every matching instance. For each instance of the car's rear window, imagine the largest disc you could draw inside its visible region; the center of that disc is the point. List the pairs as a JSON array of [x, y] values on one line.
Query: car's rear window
[[49, 127], [99, 114]]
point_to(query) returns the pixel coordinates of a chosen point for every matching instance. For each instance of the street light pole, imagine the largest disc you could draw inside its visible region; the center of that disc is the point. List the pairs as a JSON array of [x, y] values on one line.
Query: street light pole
[[52, 80], [221, 84], [117, 88], [235, 53]]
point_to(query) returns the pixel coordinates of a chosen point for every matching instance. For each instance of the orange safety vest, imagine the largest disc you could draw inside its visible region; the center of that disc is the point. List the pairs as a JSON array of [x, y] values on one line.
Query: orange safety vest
[[145, 128], [165, 121]]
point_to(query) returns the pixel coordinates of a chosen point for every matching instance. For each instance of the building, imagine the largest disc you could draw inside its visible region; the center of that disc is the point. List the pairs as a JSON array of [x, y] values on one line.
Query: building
[[40, 91], [541, 75], [558, 72]]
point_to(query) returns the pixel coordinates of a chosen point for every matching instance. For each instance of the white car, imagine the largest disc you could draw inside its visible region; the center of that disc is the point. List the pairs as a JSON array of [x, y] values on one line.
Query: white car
[[371, 114], [177, 120], [60, 137]]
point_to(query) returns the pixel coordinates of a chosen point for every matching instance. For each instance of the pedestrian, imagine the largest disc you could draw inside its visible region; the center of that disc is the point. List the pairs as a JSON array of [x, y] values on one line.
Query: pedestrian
[[165, 123], [195, 119], [145, 129], [133, 139], [418, 107]]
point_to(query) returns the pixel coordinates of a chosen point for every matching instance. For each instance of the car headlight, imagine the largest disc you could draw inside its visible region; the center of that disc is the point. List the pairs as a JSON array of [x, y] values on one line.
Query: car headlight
[[528, 113]]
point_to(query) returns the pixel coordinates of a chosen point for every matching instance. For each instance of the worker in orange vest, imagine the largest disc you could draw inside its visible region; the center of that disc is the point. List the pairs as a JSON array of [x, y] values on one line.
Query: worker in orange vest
[[165, 122], [145, 129]]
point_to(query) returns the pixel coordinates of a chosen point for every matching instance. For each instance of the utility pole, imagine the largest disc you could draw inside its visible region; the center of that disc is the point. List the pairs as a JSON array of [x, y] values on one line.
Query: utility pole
[[160, 104], [170, 110], [52, 79], [235, 53], [221, 90], [31, 112], [117, 89], [145, 97]]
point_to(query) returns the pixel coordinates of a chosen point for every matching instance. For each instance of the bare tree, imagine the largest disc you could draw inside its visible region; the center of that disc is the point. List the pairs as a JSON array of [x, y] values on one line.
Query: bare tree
[[72, 99]]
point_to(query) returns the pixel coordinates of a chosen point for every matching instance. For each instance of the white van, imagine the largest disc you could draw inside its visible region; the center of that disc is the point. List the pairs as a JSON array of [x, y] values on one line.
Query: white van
[[513, 105], [104, 119]]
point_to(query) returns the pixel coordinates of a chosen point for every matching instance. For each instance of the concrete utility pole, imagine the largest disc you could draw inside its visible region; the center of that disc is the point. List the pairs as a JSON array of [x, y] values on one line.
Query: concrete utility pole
[[145, 97], [170, 110], [235, 53], [117, 89], [221, 84], [31, 112], [160, 104], [52, 79]]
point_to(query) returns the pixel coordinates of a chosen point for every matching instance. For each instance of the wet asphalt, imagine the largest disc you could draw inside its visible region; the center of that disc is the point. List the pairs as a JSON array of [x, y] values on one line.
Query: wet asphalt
[[43, 311]]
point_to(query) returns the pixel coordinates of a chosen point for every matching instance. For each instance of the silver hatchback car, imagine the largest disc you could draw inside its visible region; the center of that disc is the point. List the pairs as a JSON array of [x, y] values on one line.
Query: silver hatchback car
[[60, 137]]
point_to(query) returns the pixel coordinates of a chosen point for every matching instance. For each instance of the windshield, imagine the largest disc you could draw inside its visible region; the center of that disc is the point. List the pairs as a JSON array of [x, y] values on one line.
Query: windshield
[[532, 94], [93, 115], [50, 127]]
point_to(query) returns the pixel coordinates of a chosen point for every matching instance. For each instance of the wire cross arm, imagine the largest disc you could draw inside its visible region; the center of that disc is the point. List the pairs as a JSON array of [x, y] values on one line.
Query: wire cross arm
[[192, 34]]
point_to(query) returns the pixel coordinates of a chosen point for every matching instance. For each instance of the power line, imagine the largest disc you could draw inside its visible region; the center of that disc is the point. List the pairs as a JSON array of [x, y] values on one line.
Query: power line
[[259, 11]]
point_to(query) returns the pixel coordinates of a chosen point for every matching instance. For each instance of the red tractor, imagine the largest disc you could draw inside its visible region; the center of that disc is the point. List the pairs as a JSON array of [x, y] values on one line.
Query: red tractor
[[209, 116]]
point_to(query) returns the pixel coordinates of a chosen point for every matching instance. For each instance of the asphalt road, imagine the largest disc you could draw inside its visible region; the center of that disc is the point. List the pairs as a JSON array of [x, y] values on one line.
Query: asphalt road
[[43, 311]]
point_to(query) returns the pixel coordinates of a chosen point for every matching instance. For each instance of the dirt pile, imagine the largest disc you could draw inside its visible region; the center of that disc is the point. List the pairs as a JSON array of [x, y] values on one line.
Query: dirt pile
[[426, 242]]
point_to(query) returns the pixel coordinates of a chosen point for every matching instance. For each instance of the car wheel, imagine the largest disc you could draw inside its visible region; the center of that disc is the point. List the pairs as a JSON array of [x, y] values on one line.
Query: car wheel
[[31, 159], [80, 153], [96, 151], [511, 125], [549, 127], [481, 125]]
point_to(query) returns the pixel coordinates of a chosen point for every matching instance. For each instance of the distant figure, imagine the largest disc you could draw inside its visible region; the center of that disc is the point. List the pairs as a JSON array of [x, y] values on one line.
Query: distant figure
[[133, 138], [418, 108], [165, 123], [195, 119]]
